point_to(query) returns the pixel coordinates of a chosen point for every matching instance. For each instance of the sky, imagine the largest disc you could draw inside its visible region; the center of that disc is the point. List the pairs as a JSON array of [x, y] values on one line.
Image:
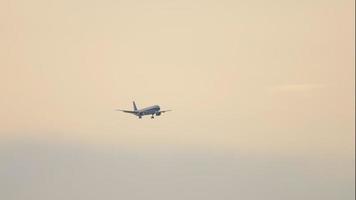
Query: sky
[[262, 93]]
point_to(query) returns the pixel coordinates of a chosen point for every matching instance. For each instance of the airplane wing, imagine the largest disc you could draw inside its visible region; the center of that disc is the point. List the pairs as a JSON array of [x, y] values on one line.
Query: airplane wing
[[163, 111], [127, 111]]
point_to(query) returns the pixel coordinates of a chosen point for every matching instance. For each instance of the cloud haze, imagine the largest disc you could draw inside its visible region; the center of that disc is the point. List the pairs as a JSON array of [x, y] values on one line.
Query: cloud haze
[[33, 169], [297, 87]]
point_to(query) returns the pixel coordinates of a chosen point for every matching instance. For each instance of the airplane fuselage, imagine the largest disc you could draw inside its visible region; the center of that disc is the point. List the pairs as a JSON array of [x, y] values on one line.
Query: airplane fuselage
[[148, 111]]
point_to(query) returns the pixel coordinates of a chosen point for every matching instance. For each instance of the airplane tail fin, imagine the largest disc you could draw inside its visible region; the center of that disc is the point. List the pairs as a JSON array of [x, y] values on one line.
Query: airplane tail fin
[[134, 105]]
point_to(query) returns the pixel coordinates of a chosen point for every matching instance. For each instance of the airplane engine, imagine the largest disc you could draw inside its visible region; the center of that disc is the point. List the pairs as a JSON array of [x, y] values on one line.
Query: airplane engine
[[158, 113]]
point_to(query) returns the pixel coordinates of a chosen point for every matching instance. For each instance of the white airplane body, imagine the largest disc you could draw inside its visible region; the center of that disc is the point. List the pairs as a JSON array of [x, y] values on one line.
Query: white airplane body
[[152, 110]]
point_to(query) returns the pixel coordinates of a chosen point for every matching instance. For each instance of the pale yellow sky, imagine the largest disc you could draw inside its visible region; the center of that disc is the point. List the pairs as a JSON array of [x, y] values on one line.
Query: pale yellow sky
[[262, 78]]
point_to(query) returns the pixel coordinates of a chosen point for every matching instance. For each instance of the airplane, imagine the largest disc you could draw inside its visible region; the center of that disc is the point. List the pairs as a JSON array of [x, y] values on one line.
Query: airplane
[[152, 110]]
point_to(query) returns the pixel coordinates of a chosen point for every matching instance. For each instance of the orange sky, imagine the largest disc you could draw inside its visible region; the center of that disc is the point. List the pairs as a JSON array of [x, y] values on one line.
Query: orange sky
[[278, 71]]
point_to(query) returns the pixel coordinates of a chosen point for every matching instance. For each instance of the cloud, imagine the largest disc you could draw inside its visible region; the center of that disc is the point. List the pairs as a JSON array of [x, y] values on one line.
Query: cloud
[[296, 87], [41, 170]]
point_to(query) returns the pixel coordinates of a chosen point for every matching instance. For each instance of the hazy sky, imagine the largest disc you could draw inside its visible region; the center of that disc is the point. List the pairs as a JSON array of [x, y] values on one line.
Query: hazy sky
[[262, 94]]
